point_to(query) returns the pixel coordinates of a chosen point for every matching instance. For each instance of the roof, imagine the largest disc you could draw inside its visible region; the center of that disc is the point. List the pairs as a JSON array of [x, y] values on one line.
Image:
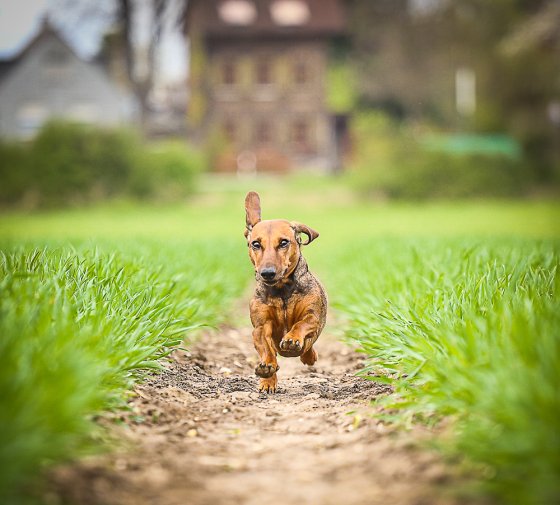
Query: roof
[[46, 31], [323, 18]]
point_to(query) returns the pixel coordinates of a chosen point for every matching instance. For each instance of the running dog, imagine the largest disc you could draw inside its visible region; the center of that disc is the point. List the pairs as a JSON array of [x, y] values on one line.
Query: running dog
[[289, 307]]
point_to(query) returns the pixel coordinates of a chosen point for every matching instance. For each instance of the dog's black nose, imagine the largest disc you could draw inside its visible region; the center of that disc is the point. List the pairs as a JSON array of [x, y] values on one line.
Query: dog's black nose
[[268, 273]]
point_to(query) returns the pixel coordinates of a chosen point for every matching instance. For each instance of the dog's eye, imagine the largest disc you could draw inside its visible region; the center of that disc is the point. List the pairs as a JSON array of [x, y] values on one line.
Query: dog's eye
[[284, 243], [256, 245]]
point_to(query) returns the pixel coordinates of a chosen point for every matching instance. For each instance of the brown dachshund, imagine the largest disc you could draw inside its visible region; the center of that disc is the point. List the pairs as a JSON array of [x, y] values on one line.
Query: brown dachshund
[[289, 308]]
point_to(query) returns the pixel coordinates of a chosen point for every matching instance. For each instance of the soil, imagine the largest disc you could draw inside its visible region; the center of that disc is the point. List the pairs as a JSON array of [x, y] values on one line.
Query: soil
[[201, 434]]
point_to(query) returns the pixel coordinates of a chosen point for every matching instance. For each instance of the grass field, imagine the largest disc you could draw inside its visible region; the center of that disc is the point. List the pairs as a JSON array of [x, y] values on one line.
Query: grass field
[[335, 212], [459, 300], [80, 324], [470, 329]]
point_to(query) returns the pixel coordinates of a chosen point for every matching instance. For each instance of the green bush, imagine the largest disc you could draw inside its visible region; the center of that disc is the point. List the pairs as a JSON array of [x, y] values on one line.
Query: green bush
[[71, 164], [14, 172], [443, 175], [390, 162], [167, 171], [75, 163]]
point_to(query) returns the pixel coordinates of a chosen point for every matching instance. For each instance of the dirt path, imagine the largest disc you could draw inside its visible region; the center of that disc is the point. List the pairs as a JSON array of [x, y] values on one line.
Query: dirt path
[[200, 434]]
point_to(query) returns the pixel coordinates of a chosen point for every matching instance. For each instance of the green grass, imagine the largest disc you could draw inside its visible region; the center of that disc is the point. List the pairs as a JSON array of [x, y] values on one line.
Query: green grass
[[324, 204], [461, 297], [471, 330], [80, 325]]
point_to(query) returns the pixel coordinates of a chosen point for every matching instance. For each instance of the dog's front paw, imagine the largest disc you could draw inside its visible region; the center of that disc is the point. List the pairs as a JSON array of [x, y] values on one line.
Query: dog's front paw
[[268, 385], [290, 346], [266, 370]]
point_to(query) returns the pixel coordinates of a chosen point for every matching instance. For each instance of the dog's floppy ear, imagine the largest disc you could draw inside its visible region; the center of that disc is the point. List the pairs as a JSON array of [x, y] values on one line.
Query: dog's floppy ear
[[252, 210], [303, 228]]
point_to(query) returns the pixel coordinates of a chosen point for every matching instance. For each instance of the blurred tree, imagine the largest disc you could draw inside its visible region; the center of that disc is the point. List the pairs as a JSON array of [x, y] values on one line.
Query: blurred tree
[[518, 76], [407, 55], [395, 58], [530, 57], [140, 60], [137, 29]]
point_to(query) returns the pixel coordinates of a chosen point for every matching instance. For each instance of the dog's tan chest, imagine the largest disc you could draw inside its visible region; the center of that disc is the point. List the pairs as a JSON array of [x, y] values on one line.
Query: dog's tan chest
[[282, 313]]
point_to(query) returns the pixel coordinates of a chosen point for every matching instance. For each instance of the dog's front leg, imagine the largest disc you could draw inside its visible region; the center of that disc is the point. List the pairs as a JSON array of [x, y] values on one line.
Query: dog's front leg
[[300, 339], [268, 365]]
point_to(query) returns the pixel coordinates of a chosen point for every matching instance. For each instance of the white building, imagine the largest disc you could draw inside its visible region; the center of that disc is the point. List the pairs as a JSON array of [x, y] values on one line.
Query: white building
[[47, 80]]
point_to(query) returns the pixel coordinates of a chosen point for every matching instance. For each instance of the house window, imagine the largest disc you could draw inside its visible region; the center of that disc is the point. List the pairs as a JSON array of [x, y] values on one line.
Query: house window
[[264, 72], [229, 130], [263, 133], [301, 74], [83, 112], [237, 12], [300, 133], [30, 118], [228, 73], [55, 65], [56, 57], [290, 12]]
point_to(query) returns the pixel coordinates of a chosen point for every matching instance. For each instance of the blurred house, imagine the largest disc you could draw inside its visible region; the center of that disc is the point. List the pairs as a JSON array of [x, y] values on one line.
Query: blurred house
[[258, 79], [47, 80]]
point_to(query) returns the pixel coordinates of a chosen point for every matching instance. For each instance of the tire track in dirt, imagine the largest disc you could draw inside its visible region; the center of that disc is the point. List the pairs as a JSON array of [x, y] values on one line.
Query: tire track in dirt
[[200, 433]]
